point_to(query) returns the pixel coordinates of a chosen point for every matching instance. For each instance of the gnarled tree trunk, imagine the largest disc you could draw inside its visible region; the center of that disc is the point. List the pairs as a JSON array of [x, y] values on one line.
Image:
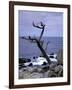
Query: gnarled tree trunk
[[43, 51]]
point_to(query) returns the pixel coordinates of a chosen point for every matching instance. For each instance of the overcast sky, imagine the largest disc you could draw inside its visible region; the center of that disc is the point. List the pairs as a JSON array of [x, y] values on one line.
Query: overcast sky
[[53, 23]]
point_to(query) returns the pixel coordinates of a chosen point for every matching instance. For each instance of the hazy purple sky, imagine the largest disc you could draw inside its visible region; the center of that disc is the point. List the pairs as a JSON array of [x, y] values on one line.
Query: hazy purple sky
[[52, 20]]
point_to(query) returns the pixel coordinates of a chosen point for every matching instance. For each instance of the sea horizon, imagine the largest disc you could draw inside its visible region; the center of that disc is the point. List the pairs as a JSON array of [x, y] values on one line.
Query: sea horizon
[[28, 49]]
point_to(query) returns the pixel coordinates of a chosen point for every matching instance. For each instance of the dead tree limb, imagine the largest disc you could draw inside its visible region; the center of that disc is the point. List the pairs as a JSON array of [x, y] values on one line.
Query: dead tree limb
[[37, 26], [47, 45], [39, 42], [34, 40], [41, 26], [43, 52]]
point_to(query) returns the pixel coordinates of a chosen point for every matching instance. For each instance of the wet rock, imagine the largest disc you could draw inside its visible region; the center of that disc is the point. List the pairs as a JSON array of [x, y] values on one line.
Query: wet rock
[[51, 56], [24, 60], [21, 66], [21, 60], [30, 64], [44, 63], [45, 69], [28, 60]]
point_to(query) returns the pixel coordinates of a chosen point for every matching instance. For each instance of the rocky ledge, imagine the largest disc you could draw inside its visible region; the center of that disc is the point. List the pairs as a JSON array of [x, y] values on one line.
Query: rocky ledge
[[44, 71]]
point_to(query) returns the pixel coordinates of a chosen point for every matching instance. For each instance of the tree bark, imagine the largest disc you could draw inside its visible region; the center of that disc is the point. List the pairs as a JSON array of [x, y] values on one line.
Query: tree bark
[[43, 51]]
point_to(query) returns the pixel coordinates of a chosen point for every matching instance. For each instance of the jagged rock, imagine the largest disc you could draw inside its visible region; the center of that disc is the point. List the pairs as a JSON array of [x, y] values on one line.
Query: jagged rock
[[39, 70], [30, 64], [52, 66], [44, 71], [21, 66], [60, 73], [24, 60], [50, 73], [21, 74], [28, 60], [30, 69], [36, 75], [46, 68], [21, 61], [26, 74], [58, 68], [44, 63], [51, 56], [34, 69]]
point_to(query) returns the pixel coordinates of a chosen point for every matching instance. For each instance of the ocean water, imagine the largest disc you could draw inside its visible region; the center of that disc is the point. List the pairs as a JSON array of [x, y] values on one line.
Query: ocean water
[[28, 49]]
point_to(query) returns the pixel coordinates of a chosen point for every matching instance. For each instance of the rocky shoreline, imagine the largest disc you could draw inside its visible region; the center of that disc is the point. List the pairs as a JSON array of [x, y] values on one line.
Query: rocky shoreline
[[52, 70], [43, 71]]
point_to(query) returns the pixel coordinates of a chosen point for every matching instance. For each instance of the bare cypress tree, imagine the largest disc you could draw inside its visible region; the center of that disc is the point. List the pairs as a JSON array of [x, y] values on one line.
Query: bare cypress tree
[[38, 41]]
